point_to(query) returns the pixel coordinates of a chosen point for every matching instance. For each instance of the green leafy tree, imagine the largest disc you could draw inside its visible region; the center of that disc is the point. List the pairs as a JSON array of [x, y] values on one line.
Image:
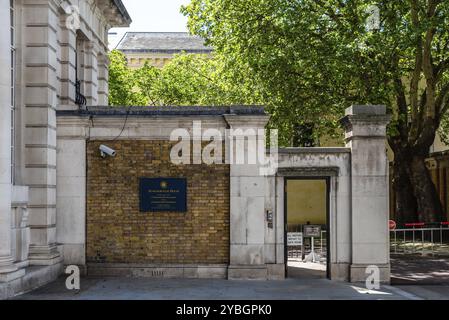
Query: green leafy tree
[[122, 83], [193, 79], [313, 58], [144, 82], [188, 79]]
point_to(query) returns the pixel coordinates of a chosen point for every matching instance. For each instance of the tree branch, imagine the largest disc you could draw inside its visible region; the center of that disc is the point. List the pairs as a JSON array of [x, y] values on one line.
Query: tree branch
[[416, 75], [428, 67], [401, 101], [441, 68], [441, 101]]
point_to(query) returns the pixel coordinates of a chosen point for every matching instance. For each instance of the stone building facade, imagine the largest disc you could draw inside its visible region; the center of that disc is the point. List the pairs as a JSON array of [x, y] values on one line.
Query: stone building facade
[[158, 48], [53, 56]]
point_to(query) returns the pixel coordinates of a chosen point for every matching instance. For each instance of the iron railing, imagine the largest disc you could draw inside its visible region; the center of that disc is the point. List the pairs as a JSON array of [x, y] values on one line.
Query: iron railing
[[420, 239], [80, 99]]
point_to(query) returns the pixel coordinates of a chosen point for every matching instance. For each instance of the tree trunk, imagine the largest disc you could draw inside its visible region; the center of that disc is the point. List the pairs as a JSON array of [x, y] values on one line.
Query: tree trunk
[[405, 201], [428, 201]]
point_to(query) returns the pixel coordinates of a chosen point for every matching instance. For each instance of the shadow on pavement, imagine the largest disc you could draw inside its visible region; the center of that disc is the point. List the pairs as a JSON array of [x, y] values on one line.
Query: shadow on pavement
[[302, 270], [419, 270]]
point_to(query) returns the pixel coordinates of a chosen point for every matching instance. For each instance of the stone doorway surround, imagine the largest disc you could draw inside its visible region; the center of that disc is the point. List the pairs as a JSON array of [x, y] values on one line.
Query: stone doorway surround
[[331, 164]]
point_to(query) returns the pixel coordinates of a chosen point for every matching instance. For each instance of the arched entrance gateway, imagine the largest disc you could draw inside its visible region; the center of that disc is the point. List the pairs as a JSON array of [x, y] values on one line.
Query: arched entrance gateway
[[190, 192]]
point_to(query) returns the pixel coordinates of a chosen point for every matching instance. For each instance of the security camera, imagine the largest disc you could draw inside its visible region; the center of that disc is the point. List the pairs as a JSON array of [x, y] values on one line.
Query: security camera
[[106, 151]]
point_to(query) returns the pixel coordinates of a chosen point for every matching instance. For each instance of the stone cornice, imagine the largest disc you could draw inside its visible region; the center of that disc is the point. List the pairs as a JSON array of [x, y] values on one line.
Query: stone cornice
[[349, 120], [247, 121], [115, 12], [324, 150], [368, 121], [256, 112]]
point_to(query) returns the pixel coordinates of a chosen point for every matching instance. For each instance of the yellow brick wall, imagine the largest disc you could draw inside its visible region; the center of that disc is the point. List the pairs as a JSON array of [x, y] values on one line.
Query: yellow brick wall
[[117, 232]]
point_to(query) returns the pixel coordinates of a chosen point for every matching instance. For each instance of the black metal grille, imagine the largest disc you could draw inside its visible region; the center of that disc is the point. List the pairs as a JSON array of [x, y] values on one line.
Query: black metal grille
[[79, 98]]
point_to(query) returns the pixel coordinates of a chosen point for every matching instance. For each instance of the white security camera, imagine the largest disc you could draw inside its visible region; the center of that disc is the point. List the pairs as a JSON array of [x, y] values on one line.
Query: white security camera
[[106, 151]]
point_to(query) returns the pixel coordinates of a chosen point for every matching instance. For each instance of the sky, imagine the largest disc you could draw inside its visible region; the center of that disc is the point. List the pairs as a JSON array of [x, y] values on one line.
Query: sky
[[153, 16]]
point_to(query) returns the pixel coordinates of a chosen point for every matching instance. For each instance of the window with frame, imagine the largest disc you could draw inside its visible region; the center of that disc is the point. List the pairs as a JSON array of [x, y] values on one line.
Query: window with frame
[[13, 80]]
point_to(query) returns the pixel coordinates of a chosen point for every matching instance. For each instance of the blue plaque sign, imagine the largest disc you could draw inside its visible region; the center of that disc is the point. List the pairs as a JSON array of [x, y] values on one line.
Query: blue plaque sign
[[163, 194]]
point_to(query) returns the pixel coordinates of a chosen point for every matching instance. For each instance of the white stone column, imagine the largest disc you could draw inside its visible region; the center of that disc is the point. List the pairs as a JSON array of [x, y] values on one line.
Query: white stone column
[[247, 199], [8, 270], [366, 136]]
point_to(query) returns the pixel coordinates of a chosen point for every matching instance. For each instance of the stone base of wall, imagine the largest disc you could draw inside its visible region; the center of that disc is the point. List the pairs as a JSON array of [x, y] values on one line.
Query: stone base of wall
[[358, 273], [276, 271], [256, 272], [339, 271], [247, 272], [212, 271], [35, 277]]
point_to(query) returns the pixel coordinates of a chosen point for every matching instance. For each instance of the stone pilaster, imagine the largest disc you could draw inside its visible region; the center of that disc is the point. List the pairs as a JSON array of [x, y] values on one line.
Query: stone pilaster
[[366, 136], [71, 181], [40, 98], [67, 43], [91, 73], [103, 78], [247, 196]]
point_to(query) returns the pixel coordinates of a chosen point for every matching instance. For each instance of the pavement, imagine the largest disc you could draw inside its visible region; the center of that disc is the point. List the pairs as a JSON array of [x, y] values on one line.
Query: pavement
[[413, 278], [201, 289], [419, 270]]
